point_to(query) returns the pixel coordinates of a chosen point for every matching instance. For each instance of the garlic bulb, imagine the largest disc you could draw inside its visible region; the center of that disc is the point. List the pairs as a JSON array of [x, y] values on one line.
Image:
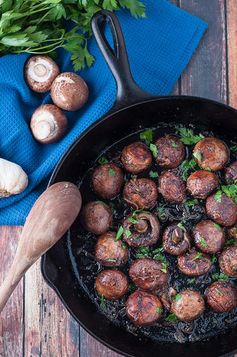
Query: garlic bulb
[[13, 179]]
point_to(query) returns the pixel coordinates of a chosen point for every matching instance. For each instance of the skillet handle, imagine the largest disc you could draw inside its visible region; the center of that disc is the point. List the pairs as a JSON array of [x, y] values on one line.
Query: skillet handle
[[128, 91]]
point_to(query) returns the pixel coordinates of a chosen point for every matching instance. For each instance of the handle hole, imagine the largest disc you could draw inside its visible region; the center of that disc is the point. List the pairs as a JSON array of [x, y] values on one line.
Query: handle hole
[[109, 36]]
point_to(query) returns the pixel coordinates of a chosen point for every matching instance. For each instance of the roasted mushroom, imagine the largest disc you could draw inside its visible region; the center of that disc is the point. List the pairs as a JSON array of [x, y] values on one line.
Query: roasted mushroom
[[148, 274], [211, 154], [209, 237], [171, 151], [96, 217], [194, 263], [111, 284], [221, 296], [48, 124], [171, 187], [231, 173], [140, 193], [136, 157], [188, 305], [176, 240], [143, 308], [222, 209], [40, 72], [201, 183], [107, 180], [228, 261], [69, 91], [144, 232], [109, 251]]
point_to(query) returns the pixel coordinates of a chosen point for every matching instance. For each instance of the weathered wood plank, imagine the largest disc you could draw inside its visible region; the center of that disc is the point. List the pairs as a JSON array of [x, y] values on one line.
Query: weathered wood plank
[[232, 50], [11, 319], [89, 347], [206, 74], [49, 329]]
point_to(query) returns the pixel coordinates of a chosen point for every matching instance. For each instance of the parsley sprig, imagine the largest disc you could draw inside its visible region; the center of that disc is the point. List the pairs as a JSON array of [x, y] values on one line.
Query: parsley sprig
[[39, 26], [187, 136]]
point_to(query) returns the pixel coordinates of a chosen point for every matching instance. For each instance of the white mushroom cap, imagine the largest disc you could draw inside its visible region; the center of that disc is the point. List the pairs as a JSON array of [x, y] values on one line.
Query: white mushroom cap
[[40, 72], [48, 123], [69, 91]]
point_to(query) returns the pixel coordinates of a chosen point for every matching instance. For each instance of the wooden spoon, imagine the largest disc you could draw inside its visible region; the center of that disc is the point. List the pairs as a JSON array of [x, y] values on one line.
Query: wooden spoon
[[50, 217]]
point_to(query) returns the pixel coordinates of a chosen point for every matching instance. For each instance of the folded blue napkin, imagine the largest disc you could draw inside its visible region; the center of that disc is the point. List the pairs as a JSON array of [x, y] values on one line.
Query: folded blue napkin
[[159, 48]]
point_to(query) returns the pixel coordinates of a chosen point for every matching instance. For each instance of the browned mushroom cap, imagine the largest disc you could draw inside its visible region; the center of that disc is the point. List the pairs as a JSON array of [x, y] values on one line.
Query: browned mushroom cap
[[232, 232], [201, 183], [148, 274], [140, 193], [222, 210], [194, 263], [231, 173], [209, 237], [109, 251], [171, 187], [136, 157], [107, 180], [211, 153], [40, 72], [188, 305], [112, 284], [143, 233], [143, 308], [176, 240], [96, 217], [48, 124], [171, 151], [221, 296], [69, 91], [228, 261]]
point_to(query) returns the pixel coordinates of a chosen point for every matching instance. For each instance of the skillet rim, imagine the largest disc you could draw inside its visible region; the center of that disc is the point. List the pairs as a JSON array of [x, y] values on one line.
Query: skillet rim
[[61, 162]]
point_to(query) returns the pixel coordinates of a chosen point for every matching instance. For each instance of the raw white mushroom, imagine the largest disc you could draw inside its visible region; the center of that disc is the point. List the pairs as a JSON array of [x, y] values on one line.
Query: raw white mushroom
[[13, 179]]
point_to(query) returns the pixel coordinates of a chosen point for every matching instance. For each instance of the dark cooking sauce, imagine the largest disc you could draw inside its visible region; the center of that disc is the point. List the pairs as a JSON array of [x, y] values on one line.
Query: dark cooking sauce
[[86, 268]]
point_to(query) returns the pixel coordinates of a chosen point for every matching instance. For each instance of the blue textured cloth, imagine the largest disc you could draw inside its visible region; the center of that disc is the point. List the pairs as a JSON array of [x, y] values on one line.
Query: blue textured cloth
[[159, 48]]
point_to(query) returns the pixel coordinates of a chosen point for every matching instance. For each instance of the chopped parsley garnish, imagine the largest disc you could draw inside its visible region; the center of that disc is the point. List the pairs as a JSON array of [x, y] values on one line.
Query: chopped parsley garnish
[[186, 167], [112, 172], [171, 318], [203, 242], [161, 212], [230, 191], [199, 255], [159, 310], [233, 148], [218, 196], [103, 160], [174, 145], [143, 252], [181, 226], [177, 297], [220, 276], [147, 136], [127, 233], [154, 150], [188, 137], [153, 174], [230, 242], [191, 281], [132, 219], [197, 155], [213, 259], [217, 226], [191, 202], [119, 233], [164, 267]]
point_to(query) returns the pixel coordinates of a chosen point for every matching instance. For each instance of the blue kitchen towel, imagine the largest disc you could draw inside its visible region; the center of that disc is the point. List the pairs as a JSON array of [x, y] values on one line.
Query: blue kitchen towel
[[159, 48]]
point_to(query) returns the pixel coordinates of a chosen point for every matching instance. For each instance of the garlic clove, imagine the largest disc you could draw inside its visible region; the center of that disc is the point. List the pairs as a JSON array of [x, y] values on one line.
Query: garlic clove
[[69, 91], [40, 72], [48, 123], [13, 179]]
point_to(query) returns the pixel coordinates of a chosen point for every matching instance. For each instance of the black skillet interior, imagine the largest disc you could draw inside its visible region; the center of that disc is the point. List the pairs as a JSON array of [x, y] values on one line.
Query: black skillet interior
[[58, 265]]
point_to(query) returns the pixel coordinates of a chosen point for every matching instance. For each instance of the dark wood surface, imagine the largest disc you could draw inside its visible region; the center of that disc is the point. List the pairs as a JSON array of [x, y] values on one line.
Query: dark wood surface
[[34, 322]]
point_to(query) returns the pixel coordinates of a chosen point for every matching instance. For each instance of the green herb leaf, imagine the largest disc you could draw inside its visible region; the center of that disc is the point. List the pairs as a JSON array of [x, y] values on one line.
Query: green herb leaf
[[174, 145], [191, 281], [161, 212], [103, 160], [197, 155], [153, 174], [143, 252], [233, 148], [186, 167], [119, 233], [164, 267], [127, 233], [199, 255], [218, 196], [220, 276], [188, 137], [159, 310], [171, 318], [203, 242], [112, 172], [181, 226], [213, 259], [217, 226], [154, 150], [177, 297], [147, 136], [230, 191], [191, 202], [133, 220], [230, 242]]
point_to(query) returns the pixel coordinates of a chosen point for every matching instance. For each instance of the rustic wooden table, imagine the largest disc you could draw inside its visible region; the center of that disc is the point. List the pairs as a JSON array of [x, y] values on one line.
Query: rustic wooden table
[[34, 322]]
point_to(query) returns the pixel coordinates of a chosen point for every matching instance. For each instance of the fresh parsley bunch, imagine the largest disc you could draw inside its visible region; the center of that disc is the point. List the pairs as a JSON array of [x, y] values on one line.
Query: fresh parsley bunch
[[39, 26]]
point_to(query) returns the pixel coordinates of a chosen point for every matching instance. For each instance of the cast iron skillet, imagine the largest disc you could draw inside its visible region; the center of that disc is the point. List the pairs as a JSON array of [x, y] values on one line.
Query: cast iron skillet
[[132, 110]]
